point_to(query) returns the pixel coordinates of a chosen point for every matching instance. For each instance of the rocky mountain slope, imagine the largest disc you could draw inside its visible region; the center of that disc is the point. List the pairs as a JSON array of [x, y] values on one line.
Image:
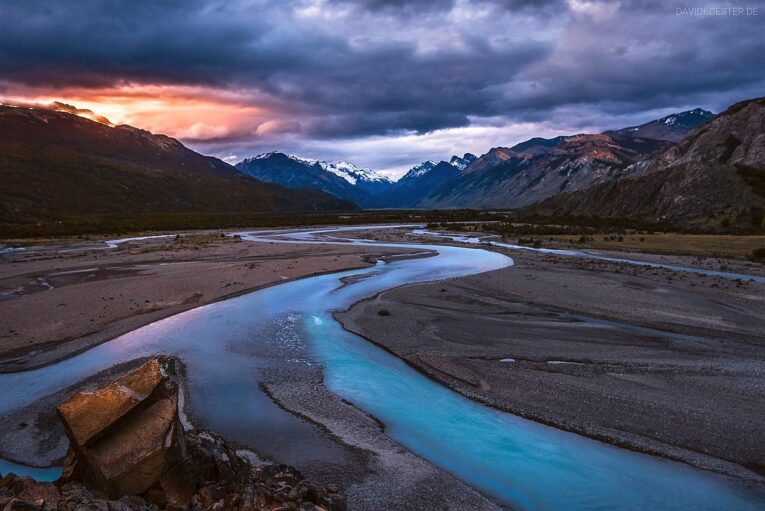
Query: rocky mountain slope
[[540, 168], [714, 178], [422, 179], [342, 180], [672, 128], [513, 177], [54, 164]]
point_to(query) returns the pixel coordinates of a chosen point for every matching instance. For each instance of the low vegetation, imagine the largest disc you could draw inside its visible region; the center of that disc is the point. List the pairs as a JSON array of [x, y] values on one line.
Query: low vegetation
[[76, 225], [621, 238]]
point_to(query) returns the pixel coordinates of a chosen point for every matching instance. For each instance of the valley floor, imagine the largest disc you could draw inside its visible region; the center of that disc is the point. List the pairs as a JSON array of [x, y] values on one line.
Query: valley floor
[[151, 279], [660, 361], [62, 296], [655, 360]]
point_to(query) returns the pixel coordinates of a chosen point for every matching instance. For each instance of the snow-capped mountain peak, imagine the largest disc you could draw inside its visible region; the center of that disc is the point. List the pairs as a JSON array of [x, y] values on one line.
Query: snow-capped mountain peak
[[422, 168], [261, 156], [463, 162], [343, 179], [689, 118], [348, 171], [673, 127]]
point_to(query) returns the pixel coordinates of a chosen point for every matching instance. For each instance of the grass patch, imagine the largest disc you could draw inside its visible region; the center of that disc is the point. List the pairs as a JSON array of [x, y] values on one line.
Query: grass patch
[[702, 245], [107, 224]]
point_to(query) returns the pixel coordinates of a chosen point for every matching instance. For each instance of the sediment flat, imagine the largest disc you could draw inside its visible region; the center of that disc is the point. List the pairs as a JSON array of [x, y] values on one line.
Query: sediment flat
[[659, 361], [123, 288], [63, 296], [654, 360]]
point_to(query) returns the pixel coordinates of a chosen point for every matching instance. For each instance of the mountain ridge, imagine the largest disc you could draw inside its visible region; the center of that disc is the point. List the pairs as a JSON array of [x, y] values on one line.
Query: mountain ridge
[[342, 180], [714, 178], [56, 163], [346, 180], [673, 128], [422, 178], [503, 177], [539, 168]]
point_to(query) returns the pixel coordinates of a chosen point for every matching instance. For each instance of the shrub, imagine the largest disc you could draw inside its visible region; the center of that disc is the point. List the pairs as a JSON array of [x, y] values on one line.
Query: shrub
[[758, 254]]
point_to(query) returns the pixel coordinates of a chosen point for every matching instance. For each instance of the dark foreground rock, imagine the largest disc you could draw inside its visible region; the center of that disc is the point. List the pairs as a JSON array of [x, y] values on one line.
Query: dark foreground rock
[[222, 480], [126, 436], [129, 451]]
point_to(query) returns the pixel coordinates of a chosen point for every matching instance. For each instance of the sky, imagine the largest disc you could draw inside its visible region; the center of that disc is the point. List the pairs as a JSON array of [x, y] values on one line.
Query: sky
[[384, 84]]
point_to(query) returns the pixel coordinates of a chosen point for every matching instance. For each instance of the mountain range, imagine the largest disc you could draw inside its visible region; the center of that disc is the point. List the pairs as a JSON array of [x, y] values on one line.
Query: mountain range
[[54, 164], [342, 180], [365, 187], [672, 128], [423, 178], [691, 169], [539, 168], [715, 177], [502, 178]]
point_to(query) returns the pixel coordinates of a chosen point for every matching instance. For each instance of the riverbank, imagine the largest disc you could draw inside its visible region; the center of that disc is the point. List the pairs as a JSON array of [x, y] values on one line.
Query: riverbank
[[701, 246], [372, 470], [366, 464], [89, 293], [660, 361], [258, 384]]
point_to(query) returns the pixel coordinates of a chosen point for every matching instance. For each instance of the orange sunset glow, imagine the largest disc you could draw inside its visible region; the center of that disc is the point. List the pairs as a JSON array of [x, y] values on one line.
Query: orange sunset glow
[[191, 113]]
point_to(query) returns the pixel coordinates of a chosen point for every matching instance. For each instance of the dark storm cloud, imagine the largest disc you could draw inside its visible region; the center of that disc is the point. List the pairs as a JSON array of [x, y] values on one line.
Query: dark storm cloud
[[642, 57], [95, 42], [381, 122], [355, 68], [429, 5]]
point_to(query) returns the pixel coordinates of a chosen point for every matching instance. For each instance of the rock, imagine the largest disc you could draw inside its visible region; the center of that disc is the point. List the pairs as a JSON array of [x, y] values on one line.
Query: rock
[[7, 479], [22, 505], [126, 435], [128, 451], [47, 494]]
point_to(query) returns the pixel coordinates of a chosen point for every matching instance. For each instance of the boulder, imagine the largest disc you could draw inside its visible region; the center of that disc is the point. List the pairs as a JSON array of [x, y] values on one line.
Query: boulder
[[125, 436], [221, 479], [128, 450]]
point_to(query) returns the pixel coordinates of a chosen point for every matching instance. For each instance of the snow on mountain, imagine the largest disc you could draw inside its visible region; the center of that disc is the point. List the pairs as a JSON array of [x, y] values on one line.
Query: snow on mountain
[[463, 162], [426, 166], [419, 170], [343, 180], [673, 127], [348, 171]]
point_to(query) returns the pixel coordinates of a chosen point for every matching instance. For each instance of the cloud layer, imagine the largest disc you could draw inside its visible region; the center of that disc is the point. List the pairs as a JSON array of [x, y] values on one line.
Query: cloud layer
[[386, 82]]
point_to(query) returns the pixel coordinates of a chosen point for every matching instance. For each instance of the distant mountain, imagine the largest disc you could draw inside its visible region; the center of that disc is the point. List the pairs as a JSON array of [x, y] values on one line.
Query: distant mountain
[[504, 177], [464, 161], [715, 177], [539, 168], [421, 179], [55, 163], [342, 180], [366, 180], [673, 127]]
